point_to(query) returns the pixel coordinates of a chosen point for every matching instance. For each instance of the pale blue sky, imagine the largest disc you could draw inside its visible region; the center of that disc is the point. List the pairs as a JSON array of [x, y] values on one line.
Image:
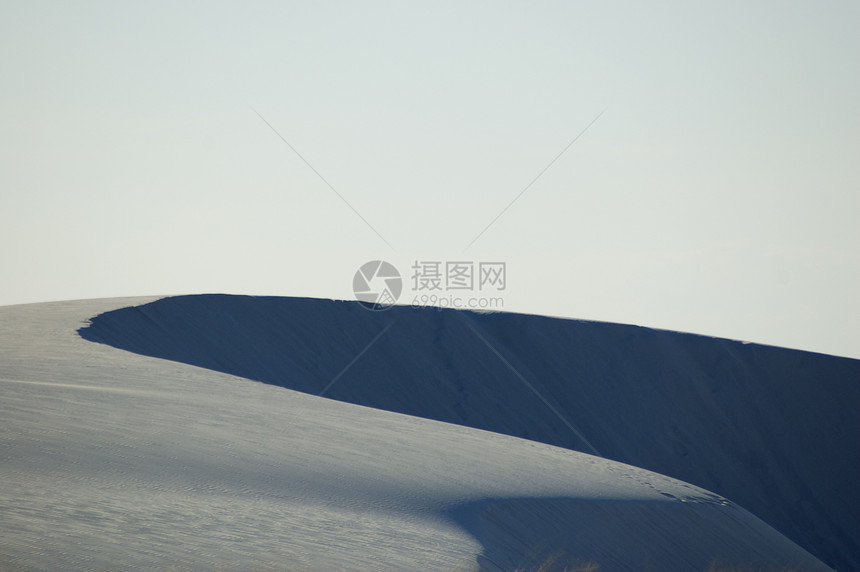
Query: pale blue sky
[[719, 192]]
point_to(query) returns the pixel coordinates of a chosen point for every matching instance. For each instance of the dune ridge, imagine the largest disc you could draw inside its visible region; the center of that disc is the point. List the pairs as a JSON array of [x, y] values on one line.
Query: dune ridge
[[772, 429]]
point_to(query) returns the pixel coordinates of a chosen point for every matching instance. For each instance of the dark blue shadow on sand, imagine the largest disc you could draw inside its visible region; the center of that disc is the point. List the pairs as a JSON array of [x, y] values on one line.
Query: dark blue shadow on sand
[[775, 430], [608, 535]]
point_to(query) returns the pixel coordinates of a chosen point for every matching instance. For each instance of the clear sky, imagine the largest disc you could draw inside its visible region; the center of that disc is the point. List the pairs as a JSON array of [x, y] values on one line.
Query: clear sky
[[718, 192]]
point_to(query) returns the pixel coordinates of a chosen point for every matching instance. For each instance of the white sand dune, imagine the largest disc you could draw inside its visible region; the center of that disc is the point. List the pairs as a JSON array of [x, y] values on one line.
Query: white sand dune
[[115, 460]]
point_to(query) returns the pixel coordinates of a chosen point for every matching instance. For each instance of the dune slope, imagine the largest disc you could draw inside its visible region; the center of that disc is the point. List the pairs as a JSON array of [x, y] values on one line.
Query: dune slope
[[117, 461], [774, 430]]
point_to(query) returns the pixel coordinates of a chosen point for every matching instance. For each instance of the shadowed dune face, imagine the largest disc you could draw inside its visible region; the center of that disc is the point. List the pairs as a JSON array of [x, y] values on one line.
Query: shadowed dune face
[[587, 535], [774, 430]]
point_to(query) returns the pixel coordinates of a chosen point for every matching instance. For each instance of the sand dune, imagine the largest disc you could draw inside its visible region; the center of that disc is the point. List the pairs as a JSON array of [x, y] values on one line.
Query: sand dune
[[116, 460]]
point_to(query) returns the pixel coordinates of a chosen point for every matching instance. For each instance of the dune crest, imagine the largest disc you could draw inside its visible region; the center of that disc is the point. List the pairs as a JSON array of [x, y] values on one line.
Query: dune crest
[[773, 429]]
